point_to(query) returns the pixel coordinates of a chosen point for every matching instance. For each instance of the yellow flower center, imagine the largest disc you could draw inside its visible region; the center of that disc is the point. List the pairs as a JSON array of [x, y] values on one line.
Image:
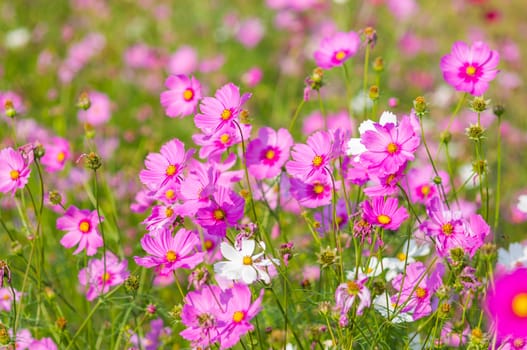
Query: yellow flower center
[[247, 260], [270, 154], [171, 256], [218, 214], [226, 114], [169, 212], [420, 292], [60, 157], [318, 188], [6, 297], [390, 179], [188, 94], [208, 244], [425, 190], [392, 148], [519, 305], [238, 316], [317, 161], [401, 256], [340, 55], [353, 288], [169, 194], [106, 277], [384, 219], [224, 138], [14, 174], [171, 170], [447, 229], [471, 70], [84, 226], [518, 343]]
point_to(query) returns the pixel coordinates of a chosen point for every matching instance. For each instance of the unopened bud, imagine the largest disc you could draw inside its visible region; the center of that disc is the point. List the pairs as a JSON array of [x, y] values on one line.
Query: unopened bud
[[378, 64], [61, 323], [244, 117], [55, 198], [371, 35], [9, 109], [84, 101], [438, 180], [374, 92], [131, 284], [498, 110], [445, 137], [39, 151], [479, 104], [89, 131], [475, 132], [479, 166], [420, 106], [92, 161]]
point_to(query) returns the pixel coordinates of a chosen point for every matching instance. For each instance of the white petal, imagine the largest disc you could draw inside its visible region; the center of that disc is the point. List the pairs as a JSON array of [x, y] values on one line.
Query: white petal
[[388, 117], [249, 275], [247, 247], [355, 147], [365, 126], [229, 252]]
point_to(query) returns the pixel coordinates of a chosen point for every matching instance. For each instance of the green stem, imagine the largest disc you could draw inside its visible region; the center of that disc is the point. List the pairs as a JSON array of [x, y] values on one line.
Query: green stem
[[498, 181], [295, 116]]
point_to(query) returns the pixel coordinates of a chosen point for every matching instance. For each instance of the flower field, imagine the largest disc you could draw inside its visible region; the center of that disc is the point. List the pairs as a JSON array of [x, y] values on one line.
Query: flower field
[[273, 174]]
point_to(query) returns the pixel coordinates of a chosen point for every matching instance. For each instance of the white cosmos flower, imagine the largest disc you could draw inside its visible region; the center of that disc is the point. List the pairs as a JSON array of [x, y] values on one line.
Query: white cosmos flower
[[515, 256], [385, 307], [372, 270], [243, 265], [522, 203], [396, 265]]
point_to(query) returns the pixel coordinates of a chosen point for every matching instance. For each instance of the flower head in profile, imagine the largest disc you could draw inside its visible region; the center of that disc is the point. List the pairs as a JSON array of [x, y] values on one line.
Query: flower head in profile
[[333, 51], [470, 68], [182, 96], [14, 171], [506, 304], [57, 153], [243, 264], [98, 278], [81, 227]]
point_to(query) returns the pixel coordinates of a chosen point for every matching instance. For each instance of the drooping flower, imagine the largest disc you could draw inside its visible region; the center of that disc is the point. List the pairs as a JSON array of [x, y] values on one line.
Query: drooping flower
[[333, 51], [220, 110], [81, 228], [506, 304], [268, 153], [385, 213], [346, 294], [99, 278], [238, 314], [416, 288], [171, 252], [14, 170], [57, 153], [470, 68], [243, 265], [165, 166], [182, 96]]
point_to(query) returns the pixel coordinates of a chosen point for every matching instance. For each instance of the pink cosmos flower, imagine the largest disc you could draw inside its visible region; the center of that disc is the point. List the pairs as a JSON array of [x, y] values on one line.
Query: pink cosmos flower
[[183, 61], [325, 218], [238, 314], [57, 153], [43, 344], [268, 153], [389, 146], [313, 157], [224, 210], [200, 315], [22, 340], [14, 170], [415, 291], [252, 77], [346, 294], [182, 96], [335, 50], [419, 184], [312, 192], [10, 99], [99, 279], [220, 110], [384, 212], [250, 32], [6, 299], [219, 141], [470, 69], [99, 112], [153, 339], [506, 304], [165, 166], [81, 227], [171, 252], [386, 184]]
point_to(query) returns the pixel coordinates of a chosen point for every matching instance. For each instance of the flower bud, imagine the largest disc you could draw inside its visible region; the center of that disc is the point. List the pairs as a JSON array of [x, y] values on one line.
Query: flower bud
[[92, 161], [479, 104], [475, 132], [131, 284], [378, 64], [420, 106], [498, 110], [84, 101], [55, 198], [61, 323], [9, 109], [374, 92], [445, 137]]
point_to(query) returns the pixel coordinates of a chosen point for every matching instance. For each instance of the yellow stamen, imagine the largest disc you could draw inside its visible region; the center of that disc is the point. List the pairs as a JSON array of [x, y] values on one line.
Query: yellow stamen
[[218, 214], [238, 316], [318, 188], [340, 55], [425, 190], [60, 157], [224, 138], [384, 219], [420, 292], [226, 114], [106, 277], [270, 154], [317, 161], [401, 256], [169, 194], [169, 212], [247, 260], [84, 226], [171, 170], [14, 174], [471, 70], [188, 94], [353, 288], [447, 229], [392, 148], [208, 244], [519, 305], [171, 256]]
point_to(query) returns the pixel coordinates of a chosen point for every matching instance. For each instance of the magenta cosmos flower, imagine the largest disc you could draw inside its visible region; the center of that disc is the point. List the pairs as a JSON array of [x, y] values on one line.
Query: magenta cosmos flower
[[165, 166], [312, 192], [81, 227], [506, 304], [224, 210], [182, 96], [470, 69], [99, 279], [267, 154], [57, 153], [220, 110], [335, 50], [171, 252], [14, 170], [384, 212], [100, 110]]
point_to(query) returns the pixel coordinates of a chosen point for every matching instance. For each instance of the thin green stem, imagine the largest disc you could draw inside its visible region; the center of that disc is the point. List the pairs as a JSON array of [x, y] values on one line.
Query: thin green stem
[[295, 116], [498, 181]]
